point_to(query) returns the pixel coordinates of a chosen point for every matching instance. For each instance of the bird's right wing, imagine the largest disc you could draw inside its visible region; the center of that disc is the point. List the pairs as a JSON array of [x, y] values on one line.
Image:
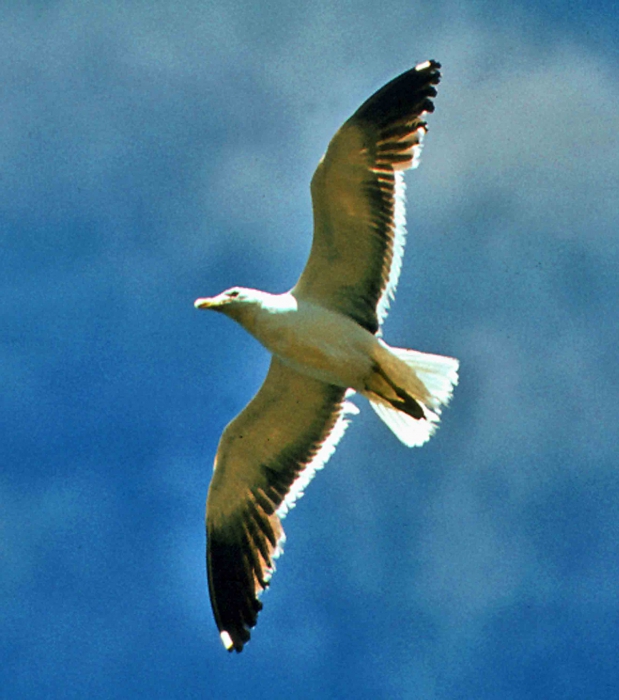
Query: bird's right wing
[[266, 456]]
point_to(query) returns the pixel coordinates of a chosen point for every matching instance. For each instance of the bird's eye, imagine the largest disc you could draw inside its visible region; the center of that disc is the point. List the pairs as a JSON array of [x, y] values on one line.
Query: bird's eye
[[233, 293]]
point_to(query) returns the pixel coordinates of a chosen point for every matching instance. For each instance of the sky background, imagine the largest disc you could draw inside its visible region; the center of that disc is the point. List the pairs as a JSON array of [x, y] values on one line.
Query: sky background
[[154, 152]]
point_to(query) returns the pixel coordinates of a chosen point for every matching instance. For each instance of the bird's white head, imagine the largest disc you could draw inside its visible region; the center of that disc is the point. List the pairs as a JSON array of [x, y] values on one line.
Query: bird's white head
[[222, 302], [240, 303]]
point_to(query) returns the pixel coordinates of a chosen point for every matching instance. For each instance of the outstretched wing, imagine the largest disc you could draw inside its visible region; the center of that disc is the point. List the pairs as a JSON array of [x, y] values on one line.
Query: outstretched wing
[[266, 456], [358, 200]]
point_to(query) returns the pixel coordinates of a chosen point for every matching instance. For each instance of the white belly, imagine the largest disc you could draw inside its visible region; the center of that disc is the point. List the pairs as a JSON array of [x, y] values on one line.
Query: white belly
[[320, 343]]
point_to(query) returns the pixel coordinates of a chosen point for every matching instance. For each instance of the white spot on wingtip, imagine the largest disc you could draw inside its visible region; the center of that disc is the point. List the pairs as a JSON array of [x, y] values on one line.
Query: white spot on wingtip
[[422, 66], [227, 640]]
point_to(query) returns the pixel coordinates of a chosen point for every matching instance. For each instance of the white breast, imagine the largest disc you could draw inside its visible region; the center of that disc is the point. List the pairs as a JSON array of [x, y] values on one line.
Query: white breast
[[315, 341]]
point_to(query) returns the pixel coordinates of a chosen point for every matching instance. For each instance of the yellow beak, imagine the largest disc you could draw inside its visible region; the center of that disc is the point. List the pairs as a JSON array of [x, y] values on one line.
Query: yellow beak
[[205, 303]]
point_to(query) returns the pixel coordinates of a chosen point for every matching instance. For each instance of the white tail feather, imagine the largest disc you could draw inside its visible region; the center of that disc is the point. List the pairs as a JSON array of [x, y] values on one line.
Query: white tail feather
[[439, 375], [413, 432]]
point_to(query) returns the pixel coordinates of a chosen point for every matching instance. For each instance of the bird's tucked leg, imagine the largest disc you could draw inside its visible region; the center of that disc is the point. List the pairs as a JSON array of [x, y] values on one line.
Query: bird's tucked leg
[[407, 389], [381, 386]]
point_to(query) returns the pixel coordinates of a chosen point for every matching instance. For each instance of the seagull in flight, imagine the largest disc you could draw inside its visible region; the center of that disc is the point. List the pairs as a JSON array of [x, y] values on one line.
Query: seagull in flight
[[325, 339]]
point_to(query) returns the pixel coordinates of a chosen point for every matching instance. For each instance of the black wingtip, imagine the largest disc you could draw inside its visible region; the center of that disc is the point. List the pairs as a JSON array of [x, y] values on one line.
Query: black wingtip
[[232, 587], [410, 93]]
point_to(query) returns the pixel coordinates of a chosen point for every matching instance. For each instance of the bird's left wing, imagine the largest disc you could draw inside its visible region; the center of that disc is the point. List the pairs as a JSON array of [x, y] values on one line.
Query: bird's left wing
[[358, 200], [265, 458]]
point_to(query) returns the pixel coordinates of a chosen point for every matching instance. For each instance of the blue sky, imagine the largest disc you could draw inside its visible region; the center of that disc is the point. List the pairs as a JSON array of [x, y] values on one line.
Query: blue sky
[[151, 153]]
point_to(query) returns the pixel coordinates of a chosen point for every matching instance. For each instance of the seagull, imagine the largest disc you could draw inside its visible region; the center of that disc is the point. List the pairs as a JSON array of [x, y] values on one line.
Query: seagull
[[325, 339]]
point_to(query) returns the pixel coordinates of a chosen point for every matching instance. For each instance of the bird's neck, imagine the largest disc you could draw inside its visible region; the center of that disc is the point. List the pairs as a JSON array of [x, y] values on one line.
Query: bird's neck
[[245, 315], [269, 310]]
